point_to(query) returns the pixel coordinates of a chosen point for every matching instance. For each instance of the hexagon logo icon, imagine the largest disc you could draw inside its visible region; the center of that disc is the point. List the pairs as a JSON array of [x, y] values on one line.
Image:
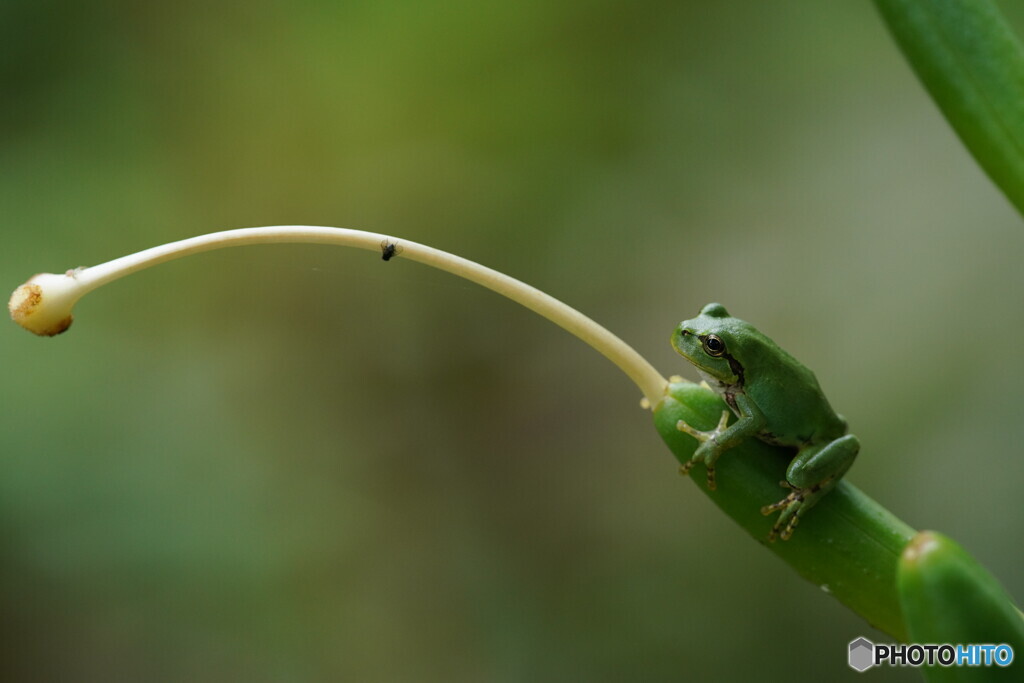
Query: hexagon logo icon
[[862, 654]]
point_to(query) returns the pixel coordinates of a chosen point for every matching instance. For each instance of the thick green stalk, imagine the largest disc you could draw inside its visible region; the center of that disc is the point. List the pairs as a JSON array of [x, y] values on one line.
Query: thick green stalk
[[848, 544], [917, 587], [972, 64]]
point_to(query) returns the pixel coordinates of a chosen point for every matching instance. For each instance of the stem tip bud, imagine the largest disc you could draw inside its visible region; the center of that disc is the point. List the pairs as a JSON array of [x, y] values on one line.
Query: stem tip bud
[[43, 304]]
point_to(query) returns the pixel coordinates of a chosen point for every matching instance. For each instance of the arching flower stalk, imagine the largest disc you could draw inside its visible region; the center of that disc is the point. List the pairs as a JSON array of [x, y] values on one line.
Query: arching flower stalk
[[44, 304]]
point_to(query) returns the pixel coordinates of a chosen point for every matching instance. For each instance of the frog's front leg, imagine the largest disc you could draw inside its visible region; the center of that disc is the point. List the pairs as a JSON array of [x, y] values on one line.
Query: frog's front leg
[[705, 438], [722, 438], [814, 472]]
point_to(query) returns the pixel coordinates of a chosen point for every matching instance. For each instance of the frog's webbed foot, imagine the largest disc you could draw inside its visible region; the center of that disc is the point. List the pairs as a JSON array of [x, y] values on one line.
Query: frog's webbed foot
[[709, 449], [813, 473], [793, 507]]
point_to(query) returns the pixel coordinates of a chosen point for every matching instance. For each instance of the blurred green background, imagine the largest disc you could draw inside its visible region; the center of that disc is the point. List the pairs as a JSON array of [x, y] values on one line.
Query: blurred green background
[[298, 463]]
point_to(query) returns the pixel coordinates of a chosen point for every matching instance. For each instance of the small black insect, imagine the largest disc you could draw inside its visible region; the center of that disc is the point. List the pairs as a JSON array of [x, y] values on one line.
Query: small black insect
[[389, 250]]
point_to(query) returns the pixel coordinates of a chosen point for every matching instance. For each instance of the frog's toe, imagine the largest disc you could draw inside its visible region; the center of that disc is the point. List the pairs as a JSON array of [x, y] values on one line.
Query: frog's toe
[[788, 531], [786, 523], [783, 527], [685, 428], [780, 505], [791, 508], [685, 468]]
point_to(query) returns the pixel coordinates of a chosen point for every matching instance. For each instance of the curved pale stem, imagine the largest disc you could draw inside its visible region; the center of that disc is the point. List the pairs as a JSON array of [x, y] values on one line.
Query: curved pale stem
[[43, 304]]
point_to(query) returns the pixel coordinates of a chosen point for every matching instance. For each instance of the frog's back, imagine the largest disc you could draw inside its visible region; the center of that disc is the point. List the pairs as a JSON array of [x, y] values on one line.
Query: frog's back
[[792, 400]]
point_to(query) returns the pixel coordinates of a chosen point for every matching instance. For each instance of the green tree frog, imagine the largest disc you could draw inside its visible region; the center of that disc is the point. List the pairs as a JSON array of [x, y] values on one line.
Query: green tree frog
[[776, 399]]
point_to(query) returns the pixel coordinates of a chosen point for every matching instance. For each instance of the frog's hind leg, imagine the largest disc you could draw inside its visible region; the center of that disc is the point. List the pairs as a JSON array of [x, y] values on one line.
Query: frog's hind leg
[[812, 474]]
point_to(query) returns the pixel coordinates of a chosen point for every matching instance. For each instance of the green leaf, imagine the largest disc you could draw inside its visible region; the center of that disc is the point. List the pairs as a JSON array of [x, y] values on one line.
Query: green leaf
[[947, 597], [972, 64]]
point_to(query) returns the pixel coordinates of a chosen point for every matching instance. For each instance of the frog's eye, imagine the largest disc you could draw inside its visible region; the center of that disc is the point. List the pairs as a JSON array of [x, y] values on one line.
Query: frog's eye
[[713, 345]]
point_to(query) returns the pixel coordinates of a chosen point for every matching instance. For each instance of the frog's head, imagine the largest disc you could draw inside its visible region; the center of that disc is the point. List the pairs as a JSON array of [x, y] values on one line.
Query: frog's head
[[712, 342]]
